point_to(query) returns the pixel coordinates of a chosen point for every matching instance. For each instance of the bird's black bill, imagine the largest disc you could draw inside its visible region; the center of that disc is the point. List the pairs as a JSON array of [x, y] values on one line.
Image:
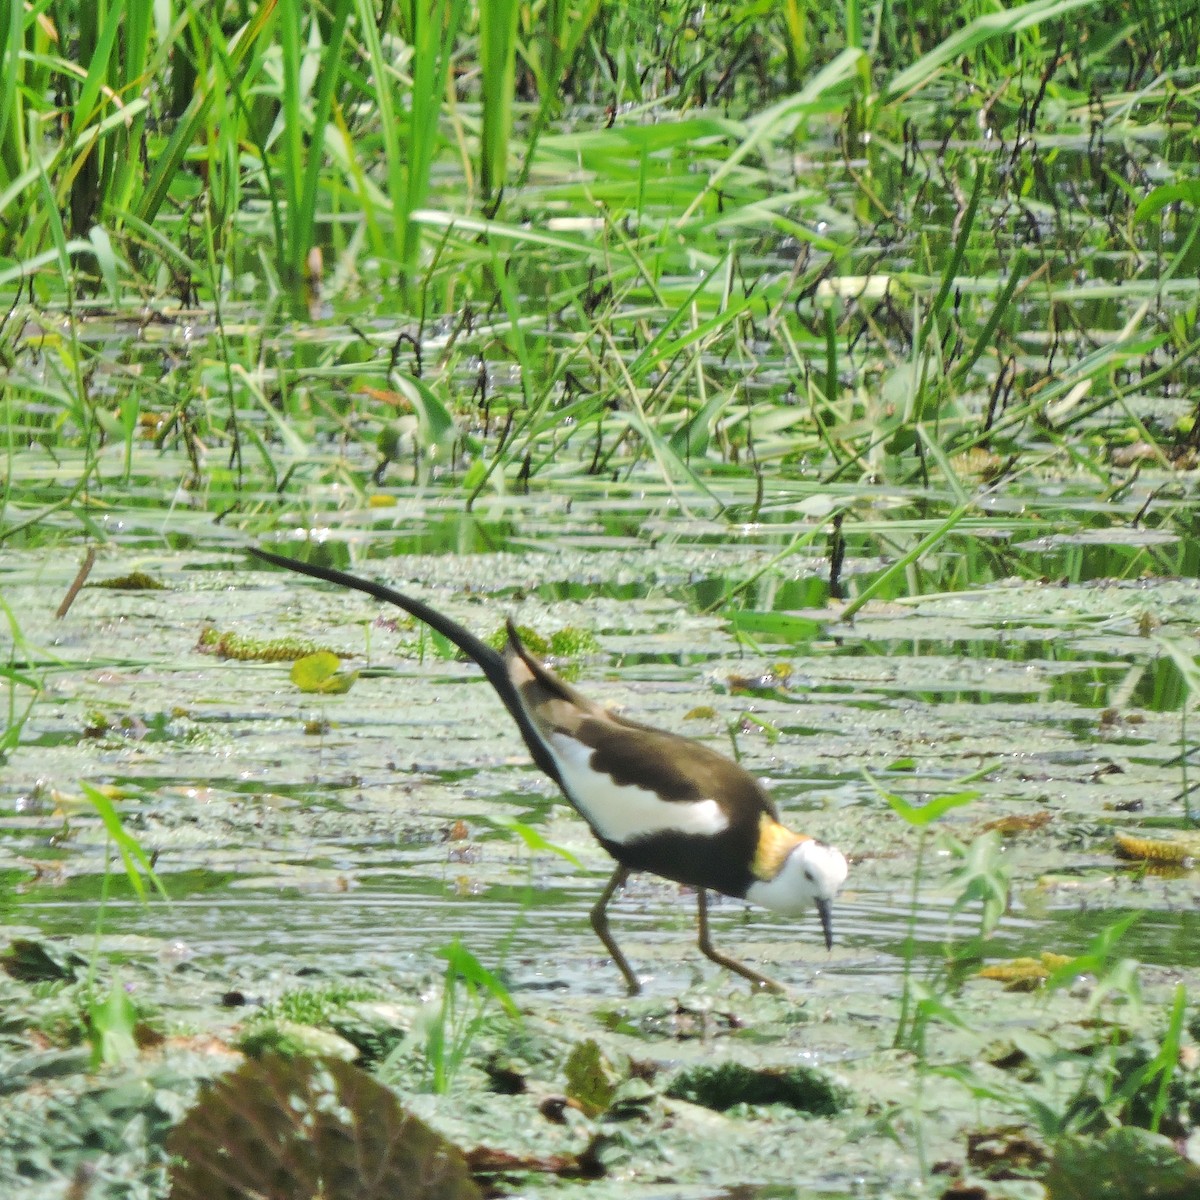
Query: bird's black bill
[[825, 911]]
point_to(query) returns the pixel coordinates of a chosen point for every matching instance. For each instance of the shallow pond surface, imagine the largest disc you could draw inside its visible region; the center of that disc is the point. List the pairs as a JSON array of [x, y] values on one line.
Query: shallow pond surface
[[312, 840], [728, 355]]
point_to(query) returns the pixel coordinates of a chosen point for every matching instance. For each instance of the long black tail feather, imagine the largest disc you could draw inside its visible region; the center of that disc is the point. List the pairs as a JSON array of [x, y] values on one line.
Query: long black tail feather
[[490, 661]]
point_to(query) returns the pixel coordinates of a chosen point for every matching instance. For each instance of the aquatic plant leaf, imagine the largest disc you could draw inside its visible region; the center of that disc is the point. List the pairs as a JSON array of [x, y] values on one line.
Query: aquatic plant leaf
[[1183, 655], [921, 815], [487, 1160], [135, 581], [310, 673], [1124, 1164], [436, 430], [111, 1024], [1114, 974], [1180, 850], [533, 641], [294, 1038], [137, 862], [34, 962], [294, 1129], [535, 840], [784, 627], [247, 649], [983, 878], [749, 721], [1184, 192], [803, 1088], [319, 673], [466, 966], [590, 1079], [691, 439], [1024, 974], [976, 33], [572, 641], [1012, 824]]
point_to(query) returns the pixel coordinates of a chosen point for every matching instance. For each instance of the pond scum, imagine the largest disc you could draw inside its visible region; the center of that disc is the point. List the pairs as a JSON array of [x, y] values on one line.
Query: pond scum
[[858, 338]]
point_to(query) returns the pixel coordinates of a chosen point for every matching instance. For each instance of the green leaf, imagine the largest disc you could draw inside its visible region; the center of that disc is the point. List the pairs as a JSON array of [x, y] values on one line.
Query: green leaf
[[1183, 655], [111, 1024], [136, 861], [462, 963], [1123, 1164], [436, 430], [591, 1081], [920, 815], [319, 673], [901, 565], [1187, 192], [534, 840], [931, 1007], [106, 260], [1004, 23], [984, 877], [690, 440], [781, 626], [769, 731], [1100, 957]]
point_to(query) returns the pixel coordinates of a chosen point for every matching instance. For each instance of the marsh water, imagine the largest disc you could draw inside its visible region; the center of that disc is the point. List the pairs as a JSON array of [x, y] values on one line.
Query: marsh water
[[352, 836], [1034, 660]]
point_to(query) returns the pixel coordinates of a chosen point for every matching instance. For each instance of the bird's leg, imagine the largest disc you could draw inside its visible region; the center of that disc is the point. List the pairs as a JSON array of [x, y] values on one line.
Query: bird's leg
[[730, 964], [600, 925]]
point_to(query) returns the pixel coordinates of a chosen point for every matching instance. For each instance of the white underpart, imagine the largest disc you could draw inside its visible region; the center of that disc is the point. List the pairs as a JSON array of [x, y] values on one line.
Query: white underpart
[[781, 895], [624, 813]]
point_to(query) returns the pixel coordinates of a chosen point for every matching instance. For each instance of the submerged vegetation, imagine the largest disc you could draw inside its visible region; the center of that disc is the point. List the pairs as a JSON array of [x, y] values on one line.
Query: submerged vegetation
[[861, 336]]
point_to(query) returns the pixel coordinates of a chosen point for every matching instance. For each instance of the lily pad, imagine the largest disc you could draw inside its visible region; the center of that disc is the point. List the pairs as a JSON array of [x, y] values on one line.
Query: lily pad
[[319, 673]]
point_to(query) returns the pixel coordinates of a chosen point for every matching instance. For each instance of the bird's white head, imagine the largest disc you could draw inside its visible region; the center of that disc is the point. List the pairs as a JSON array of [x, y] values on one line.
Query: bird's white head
[[811, 874]]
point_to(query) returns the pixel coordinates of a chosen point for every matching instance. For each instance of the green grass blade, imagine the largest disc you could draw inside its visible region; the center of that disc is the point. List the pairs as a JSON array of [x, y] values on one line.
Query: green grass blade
[[905, 561], [292, 141], [979, 32], [170, 161], [137, 862], [497, 64]]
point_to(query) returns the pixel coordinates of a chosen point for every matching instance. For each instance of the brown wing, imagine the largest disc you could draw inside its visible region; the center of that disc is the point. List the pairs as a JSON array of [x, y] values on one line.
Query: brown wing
[[631, 753]]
